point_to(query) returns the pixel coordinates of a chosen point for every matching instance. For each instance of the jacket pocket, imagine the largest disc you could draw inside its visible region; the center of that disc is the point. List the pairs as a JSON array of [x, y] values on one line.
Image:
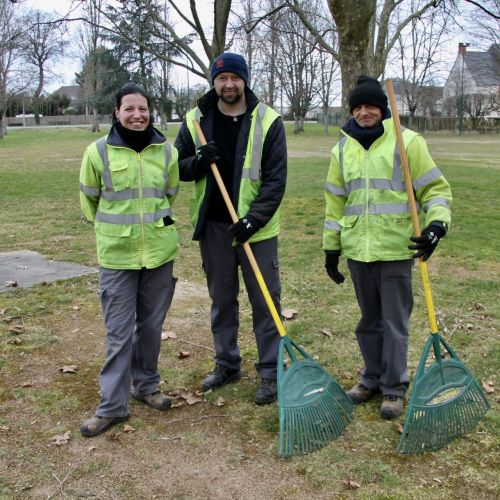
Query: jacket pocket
[[116, 230], [348, 221], [120, 176]]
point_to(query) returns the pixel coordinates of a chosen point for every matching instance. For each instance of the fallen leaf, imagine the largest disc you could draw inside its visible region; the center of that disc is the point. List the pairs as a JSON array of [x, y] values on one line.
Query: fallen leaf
[[488, 387], [16, 329], [68, 368], [398, 427], [220, 401], [479, 306], [347, 375], [3, 311], [288, 313], [193, 399], [76, 330], [11, 284], [113, 436], [62, 439], [4, 428], [27, 384], [183, 354], [168, 335], [349, 483], [92, 448], [16, 341], [128, 428], [437, 480], [326, 332], [75, 308]]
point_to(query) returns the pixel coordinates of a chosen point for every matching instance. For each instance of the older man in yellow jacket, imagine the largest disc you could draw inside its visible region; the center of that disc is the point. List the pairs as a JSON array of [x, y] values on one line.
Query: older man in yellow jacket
[[368, 221]]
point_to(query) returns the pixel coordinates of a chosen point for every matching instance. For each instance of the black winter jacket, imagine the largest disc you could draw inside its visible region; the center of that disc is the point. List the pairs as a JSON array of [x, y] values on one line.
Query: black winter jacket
[[273, 165]]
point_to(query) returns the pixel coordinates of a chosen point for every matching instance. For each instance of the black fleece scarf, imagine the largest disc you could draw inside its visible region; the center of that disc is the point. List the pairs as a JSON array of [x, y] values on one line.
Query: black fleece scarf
[[365, 136], [136, 139]]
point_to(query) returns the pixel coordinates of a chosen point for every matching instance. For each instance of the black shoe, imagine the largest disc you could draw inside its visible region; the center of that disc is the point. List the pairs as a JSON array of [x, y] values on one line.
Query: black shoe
[[220, 377], [392, 406], [267, 392]]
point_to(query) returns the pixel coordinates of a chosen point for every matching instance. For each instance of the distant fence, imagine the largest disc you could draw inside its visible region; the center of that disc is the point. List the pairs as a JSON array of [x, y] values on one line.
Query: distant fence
[[29, 121], [431, 124]]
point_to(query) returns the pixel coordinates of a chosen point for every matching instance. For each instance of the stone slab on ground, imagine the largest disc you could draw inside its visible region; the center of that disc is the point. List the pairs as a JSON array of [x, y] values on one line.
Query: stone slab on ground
[[28, 268]]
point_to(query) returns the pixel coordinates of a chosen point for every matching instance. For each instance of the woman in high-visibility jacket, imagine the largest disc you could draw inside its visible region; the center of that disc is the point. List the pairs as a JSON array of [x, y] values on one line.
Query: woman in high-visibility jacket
[[128, 182], [368, 220]]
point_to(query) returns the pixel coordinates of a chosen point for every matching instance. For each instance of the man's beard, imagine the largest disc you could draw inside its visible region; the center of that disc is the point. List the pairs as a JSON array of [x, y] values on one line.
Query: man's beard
[[230, 99]]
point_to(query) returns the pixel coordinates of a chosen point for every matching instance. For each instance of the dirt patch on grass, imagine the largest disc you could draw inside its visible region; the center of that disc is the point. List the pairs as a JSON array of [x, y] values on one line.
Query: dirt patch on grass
[[193, 451]]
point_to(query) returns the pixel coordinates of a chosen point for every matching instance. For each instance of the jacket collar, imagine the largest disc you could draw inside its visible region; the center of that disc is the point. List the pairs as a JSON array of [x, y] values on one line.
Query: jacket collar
[[115, 139]]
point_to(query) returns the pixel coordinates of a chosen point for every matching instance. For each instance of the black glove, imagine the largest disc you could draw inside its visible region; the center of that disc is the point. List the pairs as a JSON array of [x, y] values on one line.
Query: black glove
[[244, 229], [428, 241], [332, 268], [205, 155]]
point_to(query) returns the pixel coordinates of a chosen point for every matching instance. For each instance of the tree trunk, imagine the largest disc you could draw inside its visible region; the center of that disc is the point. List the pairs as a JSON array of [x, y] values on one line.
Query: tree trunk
[[95, 124], [325, 120]]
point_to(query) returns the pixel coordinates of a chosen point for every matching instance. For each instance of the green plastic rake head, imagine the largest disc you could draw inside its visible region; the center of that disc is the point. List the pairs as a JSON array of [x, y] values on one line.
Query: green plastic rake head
[[446, 402], [314, 409]]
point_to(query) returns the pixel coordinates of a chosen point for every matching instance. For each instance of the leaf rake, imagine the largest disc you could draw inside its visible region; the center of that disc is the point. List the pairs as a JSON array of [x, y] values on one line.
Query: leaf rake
[[446, 402], [314, 409]]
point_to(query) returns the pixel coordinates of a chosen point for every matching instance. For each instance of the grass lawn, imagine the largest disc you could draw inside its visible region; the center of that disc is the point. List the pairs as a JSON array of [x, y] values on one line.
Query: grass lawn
[[63, 325]]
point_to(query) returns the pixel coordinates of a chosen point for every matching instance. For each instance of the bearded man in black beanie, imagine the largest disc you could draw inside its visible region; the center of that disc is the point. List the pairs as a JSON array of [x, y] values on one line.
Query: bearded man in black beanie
[[368, 221], [247, 141]]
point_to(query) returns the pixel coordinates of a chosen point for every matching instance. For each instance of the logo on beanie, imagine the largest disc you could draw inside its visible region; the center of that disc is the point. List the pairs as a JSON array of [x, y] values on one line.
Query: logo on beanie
[[219, 63]]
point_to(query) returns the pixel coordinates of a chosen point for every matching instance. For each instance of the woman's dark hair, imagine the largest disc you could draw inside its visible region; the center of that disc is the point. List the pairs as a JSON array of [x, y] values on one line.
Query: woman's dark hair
[[129, 88]]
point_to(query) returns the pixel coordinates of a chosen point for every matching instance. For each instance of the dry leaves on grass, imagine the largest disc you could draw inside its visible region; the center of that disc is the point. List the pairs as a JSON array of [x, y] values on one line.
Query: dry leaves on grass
[[16, 329], [61, 439], [326, 332], [183, 354], [289, 313], [168, 335], [128, 428], [68, 369], [10, 283], [488, 387], [350, 484], [188, 396]]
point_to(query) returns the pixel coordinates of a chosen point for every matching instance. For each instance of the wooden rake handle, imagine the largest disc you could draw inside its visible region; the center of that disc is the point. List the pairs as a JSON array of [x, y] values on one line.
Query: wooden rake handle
[[413, 206], [246, 245]]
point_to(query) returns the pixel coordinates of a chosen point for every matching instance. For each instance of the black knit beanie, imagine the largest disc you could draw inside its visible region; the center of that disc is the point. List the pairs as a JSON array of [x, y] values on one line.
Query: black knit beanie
[[367, 91], [232, 63]]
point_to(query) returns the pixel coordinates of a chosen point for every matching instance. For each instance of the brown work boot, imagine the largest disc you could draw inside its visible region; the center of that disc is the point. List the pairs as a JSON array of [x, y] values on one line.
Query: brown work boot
[[392, 406], [156, 400], [97, 425], [361, 394]]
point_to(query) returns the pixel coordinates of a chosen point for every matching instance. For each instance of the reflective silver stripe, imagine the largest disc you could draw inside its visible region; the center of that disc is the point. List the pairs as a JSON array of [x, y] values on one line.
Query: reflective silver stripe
[[168, 156], [378, 209], [427, 178], [333, 225], [197, 116], [359, 184], [437, 201], [148, 218], [172, 191], [335, 190], [102, 149], [341, 155], [135, 193], [258, 143], [393, 185], [89, 191]]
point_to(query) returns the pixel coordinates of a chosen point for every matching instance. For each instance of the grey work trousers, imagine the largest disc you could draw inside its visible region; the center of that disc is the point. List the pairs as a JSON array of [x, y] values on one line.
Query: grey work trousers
[[134, 305], [384, 293], [220, 262]]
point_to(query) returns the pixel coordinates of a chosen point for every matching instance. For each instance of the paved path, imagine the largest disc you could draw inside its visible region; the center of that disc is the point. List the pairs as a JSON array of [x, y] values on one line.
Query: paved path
[[28, 268]]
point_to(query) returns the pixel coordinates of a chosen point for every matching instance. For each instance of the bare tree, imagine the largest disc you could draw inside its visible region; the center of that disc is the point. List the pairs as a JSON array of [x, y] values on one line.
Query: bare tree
[[90, 40], [366, 33], [418, 48], [11, 77], [43, 42], [186, 56]]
